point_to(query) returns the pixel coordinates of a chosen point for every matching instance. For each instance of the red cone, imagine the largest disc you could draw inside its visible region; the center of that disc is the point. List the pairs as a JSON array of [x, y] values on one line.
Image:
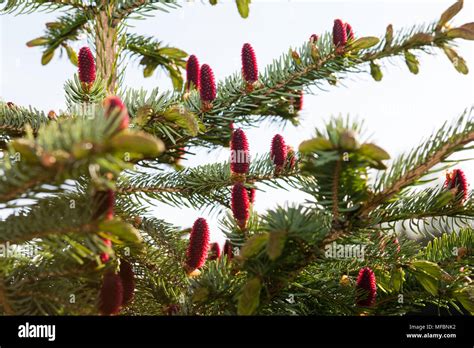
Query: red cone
[[314, 38], [112, 105], [249, 64], [198, 245], [366, 287], [457, 180], [207, 84], [349, 32], [240, 154], [291, 159], [240, 204], [128, 281], [172, 309], [86, 65], [298, 102], [192, 73], [111, 294], [339, 34], [278, 152], [228, 249], [215, 251]]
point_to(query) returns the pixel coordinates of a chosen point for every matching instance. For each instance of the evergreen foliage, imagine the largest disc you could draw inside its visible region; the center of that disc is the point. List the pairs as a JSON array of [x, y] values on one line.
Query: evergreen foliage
[[284, 261]]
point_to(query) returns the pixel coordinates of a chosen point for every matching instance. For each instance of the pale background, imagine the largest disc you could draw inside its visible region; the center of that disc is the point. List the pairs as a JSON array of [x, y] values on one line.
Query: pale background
[[399, 111]]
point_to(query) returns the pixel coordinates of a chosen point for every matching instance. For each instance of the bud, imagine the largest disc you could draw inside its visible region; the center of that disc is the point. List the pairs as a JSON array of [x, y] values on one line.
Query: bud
[[375, 71], [38, 42], [388, 37], [291, 158], [214, 251], [345, 281], [412, 62], [52, 115], [348, 141], [296, 57]]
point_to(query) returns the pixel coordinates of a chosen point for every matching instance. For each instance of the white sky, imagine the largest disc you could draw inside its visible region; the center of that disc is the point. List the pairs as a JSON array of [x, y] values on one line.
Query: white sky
[[399, 111]]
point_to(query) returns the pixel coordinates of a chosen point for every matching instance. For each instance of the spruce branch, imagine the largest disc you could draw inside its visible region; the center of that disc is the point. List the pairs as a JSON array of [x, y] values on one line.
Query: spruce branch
[[407, 169], [450, 246], [161, 276], [29, 6], [14, 118], [286, 76], [427, 203], [4, 302], [69, 149], [281, 82], [48, 217], [83, 103], [164, 236], [203, 185], [67, 28], [43, 287]]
